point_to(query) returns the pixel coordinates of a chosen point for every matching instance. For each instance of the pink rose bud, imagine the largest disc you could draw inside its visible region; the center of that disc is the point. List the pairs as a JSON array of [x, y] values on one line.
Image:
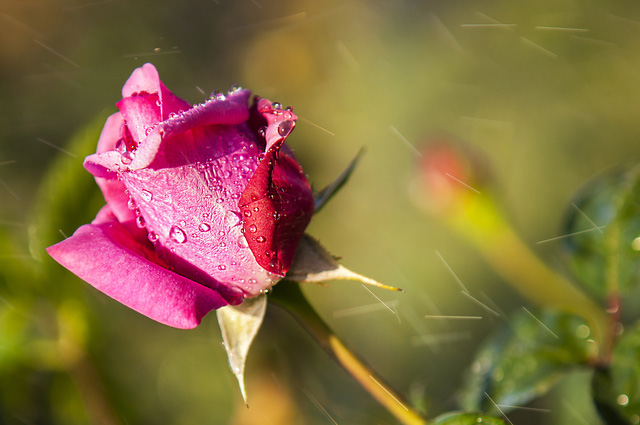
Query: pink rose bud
[[205, 206], [451, 174]]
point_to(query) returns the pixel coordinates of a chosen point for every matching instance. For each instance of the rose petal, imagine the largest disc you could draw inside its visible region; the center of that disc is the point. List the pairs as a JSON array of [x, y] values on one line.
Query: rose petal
[[145, 80], [140, 112], [106, 255], [231, 110], [111, 133]]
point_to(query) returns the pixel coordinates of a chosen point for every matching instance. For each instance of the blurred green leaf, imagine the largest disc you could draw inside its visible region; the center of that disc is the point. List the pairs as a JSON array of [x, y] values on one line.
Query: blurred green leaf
[[603, 224], [616, 390], [525, 359], [68, 196], [467, 419]]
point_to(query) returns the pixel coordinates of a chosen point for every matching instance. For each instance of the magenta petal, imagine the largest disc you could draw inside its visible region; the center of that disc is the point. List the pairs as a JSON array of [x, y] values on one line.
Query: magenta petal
[[140, 112], [231, 110], [112, 131], [108, 257], [145, 80]]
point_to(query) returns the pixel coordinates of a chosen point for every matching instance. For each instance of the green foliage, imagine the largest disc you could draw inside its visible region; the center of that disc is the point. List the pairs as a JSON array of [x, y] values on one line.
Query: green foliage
[[603, 224], [525, 359], [467, 419]]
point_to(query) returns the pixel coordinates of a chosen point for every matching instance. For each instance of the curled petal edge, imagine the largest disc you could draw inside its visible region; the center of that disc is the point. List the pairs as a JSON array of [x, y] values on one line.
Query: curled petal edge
[[107, 256]]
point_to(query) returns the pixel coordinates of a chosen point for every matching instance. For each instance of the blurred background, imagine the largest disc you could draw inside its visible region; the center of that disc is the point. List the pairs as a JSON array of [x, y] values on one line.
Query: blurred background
[[547, 91]]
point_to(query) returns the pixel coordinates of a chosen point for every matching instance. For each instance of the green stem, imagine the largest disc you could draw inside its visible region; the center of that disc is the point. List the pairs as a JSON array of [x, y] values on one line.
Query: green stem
[[524, 271], [289, 296]]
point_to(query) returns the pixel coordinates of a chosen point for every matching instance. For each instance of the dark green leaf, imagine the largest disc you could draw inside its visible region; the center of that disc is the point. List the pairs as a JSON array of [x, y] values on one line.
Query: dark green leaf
[[525, 359], [603, 223], [616, 390], [467, 419], [323, 196]]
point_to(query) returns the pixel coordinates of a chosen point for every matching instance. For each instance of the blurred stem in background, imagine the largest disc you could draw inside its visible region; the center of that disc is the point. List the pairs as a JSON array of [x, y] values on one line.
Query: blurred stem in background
[[460, 195], [289, 296]]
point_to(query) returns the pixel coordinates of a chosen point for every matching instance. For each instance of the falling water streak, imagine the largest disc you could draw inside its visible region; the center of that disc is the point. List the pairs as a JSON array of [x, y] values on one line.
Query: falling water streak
[[568, 235], [541, 324], [318, 405], [346, 54], [480, 303], [11, 223], [275, 380], [534, 409], [446, 35], [63, 234], [498, 407], [56, 147], [623, 19], [492, 304], [154, 53], [538, 47], [86, 5], [387, 391], [285, 20], [21, 25], [573, 204], [362, 309], [455, 276], [61, 56], [540, 27], [10, 161], [316, 125], [489, 25], [574, 412], [463, 183], [495, 21], [419, 325], [437, 339], [200, 90], [445, 317], [404, 139], [382, 302], [258, 5], [8, 189], [62, 76]]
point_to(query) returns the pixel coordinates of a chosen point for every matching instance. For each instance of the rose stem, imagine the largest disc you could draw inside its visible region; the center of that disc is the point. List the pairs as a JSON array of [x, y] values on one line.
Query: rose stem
[[289, 296], [483, 224]]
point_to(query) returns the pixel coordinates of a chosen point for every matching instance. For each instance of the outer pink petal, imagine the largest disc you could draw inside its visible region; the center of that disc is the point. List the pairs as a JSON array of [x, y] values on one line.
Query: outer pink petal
[[107, 256], [231, 110], [146, 80], [111, 132]]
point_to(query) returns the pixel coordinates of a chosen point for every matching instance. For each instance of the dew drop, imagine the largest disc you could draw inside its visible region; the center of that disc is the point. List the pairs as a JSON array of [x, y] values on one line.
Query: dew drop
[[222, 267], [232, 218], [221, 233], [242, 242], [261, 239], [177, 235], [131, 204], [285, 127], [140, 222], [204, 227], [262, 131], [276, 216], [126, 157], [253, 228], [276, 105], [247, 213], [220, 200], [256, 209], [182, 223], [121, 146], [152, 236], [146, 195]]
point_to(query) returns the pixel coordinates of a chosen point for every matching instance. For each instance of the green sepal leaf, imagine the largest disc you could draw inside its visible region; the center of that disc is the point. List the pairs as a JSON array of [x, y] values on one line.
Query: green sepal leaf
[[239, 326], [314, 264], [602, 225], [467, 419], [323, 196], [525, 359]]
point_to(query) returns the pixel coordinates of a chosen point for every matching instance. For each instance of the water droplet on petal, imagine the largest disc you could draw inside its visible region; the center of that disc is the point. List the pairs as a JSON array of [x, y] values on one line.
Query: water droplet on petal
[[204, 227], [140, 222], [177, 235], [276, 105], [262, 131], [126, 157], [222, 267], [253, 228], [276, 216], [242, 242], [232, 218], [121, 146], [261, 239], [247, 213], [182, 223], [285, 127], [152, 236], [146, 195], [131, 204]]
